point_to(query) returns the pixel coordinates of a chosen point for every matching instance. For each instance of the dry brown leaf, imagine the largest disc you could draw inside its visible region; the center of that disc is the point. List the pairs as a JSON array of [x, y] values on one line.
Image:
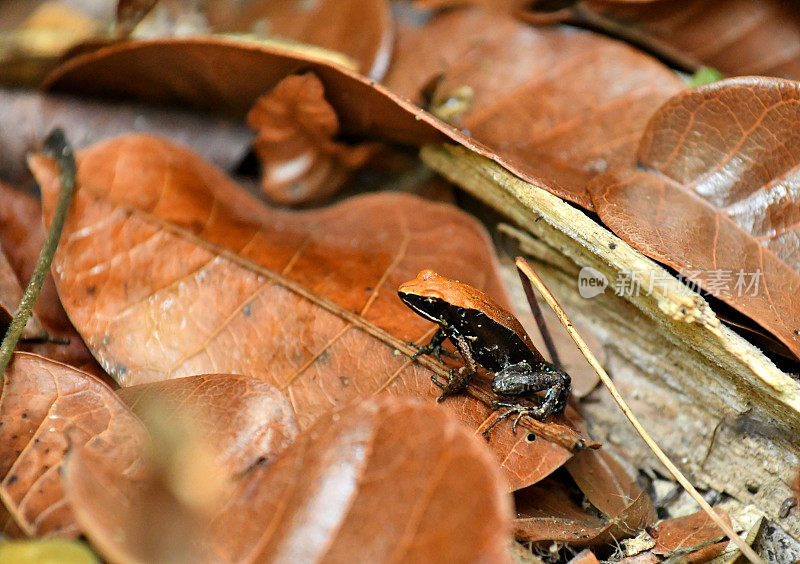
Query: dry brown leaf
[[737, 37], [10, 296], [547, 511], [691, 530], [48, 407], [22, 237], [619, 506], [426, 491], [361, 29], [245, 71], [45, 408], [300, 160], [562, 105], [608, 487], [242, 420], [385, 480], [717, 197], [296, 299]]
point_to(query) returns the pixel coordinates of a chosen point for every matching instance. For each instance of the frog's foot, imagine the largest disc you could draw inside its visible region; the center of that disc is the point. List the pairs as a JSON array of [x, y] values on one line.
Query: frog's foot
[[459, 378], [436, 349], [521, 410]]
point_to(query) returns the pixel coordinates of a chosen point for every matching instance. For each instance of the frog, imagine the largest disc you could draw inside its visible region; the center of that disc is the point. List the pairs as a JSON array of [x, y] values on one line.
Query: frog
[[489, 336]]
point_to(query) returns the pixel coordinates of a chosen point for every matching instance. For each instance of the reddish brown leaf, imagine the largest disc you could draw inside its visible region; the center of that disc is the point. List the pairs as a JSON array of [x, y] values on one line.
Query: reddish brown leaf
[[242, 420], [562, 105], [691, 530], [300, 300], [361, 29], [385, 480], [45, 408], [736, 37], [608, 487], [620, 507], [300, 160], [22, 237], [718, 196], [245, 71], [548, 512], [10, 296]]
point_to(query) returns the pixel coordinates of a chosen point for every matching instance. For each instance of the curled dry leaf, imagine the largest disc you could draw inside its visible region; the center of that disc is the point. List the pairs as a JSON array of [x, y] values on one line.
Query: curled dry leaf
[[548, 511], [717, 198], [47, 407], [562, 105], [361, 29], [169, 269], [300, 160], [692, 530], [133, 71], [386, 479], [608, 487], [243, 420], [735, 36]]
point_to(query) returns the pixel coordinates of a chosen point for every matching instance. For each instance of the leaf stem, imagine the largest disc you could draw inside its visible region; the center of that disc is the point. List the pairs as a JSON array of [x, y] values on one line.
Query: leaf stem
[[528, 276], [56, 144]]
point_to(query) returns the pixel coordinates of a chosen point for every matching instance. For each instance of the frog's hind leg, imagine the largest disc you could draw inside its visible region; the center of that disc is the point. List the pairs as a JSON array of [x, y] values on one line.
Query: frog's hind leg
[[521, 379]]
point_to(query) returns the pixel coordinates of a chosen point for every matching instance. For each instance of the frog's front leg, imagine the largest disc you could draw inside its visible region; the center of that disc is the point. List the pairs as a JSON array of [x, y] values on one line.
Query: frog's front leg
[[521, 379], [434, 347], [459, 377]]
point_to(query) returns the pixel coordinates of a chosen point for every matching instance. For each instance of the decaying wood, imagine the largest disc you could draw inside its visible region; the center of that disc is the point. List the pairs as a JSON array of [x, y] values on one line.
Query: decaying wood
[[715, 403]]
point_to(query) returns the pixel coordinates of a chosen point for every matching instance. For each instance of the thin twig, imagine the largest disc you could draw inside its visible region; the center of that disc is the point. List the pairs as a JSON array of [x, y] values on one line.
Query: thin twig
[[56, 145], [543, 330], [528, 277]]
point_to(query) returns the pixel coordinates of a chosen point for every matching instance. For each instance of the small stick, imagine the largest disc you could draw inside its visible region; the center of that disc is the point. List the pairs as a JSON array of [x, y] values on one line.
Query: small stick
[[543, 330], [56, 144], [528, 276]]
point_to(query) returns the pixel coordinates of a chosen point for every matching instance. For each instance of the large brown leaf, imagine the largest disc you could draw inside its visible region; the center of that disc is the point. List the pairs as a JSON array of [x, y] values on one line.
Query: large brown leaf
[[735, 36], [563, 105], [45, 408], [717, 195], [386, 480], [244, 71], [361, 29], [169, 269]]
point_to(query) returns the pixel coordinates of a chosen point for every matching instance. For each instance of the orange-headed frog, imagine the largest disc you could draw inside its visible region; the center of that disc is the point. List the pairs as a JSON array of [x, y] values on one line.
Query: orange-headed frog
[[486, 335]]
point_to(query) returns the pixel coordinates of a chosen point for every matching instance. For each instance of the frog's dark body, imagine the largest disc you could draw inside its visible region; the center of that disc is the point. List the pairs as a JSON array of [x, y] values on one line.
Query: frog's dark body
[[488, 335]]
